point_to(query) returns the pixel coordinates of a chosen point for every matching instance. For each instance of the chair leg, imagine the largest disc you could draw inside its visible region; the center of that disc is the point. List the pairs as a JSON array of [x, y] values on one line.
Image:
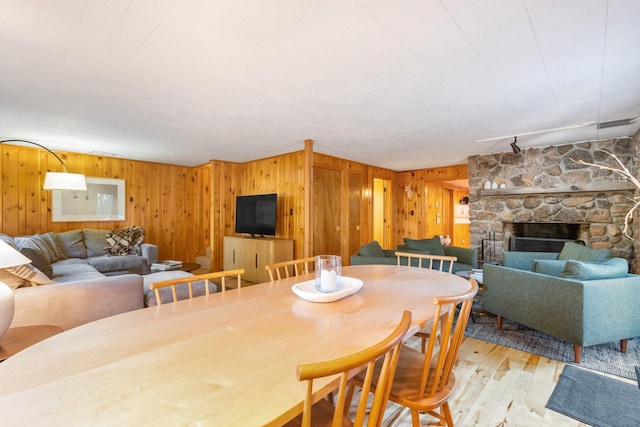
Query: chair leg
[[576, 353], [415, 418], [499, 323], [446, 411], [623, 346]]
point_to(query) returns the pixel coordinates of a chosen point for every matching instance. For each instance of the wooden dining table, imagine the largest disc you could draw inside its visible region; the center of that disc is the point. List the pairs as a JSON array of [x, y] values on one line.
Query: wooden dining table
[[227, 359]]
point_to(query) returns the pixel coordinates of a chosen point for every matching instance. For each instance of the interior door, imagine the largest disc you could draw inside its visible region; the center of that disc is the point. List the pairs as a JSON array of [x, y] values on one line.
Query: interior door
[[327, 211], [355, 203]]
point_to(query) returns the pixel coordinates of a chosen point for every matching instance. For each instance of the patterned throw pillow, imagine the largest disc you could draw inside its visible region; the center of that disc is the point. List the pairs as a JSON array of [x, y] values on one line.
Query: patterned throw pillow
[[30, 274], [125, 241]]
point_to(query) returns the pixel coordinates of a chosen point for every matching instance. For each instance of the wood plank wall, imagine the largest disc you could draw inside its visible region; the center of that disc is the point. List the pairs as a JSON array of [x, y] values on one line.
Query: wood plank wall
[[170, 202], [185, 209], [417, 218]]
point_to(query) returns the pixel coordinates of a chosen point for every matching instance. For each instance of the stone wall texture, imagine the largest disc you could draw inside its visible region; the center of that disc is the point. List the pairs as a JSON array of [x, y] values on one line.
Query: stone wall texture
[[550, 168]]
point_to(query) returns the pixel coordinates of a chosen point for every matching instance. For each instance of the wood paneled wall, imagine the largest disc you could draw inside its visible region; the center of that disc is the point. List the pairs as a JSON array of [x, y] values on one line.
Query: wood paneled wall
[[421, 216], [282, 174], [170, 202], [185, 209]]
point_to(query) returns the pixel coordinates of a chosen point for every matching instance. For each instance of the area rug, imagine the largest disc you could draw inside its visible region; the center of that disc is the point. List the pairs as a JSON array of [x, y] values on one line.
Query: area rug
[[603, 358], [595, 399]]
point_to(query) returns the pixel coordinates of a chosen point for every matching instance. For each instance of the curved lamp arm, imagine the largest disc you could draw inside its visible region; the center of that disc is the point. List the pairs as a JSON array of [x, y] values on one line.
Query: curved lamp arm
[[58, 180]]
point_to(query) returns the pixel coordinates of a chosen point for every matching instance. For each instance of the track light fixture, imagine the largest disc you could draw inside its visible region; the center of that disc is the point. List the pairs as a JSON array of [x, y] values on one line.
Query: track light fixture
[[514, 145]]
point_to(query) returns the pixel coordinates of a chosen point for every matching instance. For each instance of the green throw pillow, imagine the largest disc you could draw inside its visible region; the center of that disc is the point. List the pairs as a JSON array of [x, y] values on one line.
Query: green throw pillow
[[433, 246], [550, 267], [575, 251], [610, 269], [372, 249], [39, 261]]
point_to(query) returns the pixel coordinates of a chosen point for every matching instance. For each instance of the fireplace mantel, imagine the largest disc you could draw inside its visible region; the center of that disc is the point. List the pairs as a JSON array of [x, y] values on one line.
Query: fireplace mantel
[[582, 188]]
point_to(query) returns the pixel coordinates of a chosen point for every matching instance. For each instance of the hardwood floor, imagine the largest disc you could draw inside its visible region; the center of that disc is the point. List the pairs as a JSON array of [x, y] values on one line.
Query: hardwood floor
[[498, 386]]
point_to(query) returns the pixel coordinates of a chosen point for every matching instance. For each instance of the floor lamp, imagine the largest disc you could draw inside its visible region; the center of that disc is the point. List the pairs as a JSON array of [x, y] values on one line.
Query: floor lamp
[[58, 180]]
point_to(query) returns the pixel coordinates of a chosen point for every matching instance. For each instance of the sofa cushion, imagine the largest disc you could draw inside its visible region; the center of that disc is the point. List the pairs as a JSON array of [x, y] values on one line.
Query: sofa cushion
[[74, 270], [125, 241], [372, 249], [575, 251], [108, 263], [72, 243], [47, 244], [432, 246], [39, 261], [585, 270], [95, 241]]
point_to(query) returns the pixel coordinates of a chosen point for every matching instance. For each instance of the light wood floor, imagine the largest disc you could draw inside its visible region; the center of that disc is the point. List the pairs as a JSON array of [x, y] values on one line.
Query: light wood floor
[[499, 386]]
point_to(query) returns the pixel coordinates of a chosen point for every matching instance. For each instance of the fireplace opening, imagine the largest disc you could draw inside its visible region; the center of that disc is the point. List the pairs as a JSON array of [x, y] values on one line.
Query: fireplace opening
[[544, 237]]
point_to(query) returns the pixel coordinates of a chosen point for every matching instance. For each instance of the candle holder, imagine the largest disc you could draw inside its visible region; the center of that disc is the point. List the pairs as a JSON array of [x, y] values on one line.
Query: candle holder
[[328, 273]]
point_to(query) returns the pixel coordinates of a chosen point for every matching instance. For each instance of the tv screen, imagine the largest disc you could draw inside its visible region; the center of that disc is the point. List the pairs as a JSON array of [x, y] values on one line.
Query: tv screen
[[256, 214]]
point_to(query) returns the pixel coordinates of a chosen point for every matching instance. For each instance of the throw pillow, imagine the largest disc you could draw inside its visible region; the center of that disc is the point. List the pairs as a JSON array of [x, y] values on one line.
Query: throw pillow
[[47, 244], [432, 246], [575, 251], [585, 270], [372, 249], [11, 280], [39, 261], [125, 241], [30, 274]]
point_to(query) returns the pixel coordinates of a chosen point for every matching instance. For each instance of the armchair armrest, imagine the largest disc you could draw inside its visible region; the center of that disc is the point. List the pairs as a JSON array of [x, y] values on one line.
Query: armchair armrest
[[150, 252], [465, 255]]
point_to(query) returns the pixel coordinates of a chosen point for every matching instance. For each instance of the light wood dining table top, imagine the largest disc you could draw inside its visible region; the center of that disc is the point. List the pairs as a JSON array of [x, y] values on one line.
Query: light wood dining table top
[[227, 359]]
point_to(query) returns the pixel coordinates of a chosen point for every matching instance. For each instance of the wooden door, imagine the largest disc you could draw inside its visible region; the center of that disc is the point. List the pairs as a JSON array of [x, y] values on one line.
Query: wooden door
[[355, 204], [447, 212], [327, 211]]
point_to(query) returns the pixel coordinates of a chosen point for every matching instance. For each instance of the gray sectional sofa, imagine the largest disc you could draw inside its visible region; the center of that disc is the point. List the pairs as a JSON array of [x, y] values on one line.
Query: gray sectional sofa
[[79, 275], [372, 253], [580, 295]]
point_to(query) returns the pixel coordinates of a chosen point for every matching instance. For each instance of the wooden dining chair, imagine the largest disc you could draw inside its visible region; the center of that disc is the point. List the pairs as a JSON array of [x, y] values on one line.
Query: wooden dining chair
[[425, 381], [428, 258], [190, 280], [284, 269], [384, 355]]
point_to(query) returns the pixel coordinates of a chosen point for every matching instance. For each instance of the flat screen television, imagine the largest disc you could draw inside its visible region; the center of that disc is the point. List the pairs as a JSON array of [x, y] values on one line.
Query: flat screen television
[[256, 215]]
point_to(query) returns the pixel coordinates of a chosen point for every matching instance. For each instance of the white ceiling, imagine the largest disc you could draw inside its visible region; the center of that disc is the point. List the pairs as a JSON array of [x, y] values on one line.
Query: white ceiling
[[397, 84]]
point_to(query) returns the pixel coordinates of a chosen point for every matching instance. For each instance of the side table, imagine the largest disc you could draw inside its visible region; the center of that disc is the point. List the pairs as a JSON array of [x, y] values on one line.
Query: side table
[[17, 339]]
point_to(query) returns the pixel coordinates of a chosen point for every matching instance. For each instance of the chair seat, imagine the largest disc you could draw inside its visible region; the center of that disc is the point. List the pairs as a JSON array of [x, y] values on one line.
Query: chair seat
[[407, 382], [322, 416]]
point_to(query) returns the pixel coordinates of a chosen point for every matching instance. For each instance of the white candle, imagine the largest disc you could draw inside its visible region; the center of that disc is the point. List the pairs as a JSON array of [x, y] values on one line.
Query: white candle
[[328, 281]]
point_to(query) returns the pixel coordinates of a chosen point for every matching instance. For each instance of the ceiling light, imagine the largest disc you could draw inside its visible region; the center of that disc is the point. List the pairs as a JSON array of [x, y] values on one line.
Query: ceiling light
[[58, 180]]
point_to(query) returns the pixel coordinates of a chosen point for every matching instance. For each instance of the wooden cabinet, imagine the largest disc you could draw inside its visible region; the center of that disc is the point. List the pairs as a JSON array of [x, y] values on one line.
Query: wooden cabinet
[[253, 253]]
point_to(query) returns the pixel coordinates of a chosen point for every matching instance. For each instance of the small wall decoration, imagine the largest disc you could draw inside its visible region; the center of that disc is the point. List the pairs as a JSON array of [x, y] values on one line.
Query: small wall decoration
[[103, 201]]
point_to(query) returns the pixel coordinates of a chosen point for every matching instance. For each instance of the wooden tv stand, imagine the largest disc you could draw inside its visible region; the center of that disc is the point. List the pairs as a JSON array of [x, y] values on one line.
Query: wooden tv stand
[[253, 253]]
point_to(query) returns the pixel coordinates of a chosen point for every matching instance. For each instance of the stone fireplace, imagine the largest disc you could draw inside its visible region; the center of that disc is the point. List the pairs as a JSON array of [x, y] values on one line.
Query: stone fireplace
[[544, 194]]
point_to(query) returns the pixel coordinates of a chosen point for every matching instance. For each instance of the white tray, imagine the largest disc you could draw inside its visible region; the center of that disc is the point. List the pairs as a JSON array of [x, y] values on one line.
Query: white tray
[[307, 290]]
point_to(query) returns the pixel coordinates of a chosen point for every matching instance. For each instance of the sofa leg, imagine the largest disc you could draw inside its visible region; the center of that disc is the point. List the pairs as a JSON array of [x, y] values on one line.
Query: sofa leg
[[499, 323], [576, 353], [623, 346]]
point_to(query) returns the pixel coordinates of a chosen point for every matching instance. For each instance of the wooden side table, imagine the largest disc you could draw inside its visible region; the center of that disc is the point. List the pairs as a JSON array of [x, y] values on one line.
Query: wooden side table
[[17, 339]]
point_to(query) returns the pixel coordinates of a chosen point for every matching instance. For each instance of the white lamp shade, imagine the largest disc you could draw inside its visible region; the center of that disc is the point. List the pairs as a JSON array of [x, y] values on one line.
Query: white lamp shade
[[9, 257], [64, 181]]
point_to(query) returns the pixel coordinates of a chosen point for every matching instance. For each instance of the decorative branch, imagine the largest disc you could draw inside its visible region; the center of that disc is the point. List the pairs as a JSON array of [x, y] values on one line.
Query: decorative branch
[[626, 174]]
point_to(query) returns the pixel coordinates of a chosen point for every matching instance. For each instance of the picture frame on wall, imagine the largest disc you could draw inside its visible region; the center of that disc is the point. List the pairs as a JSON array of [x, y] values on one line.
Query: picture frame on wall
[[104, 200]]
